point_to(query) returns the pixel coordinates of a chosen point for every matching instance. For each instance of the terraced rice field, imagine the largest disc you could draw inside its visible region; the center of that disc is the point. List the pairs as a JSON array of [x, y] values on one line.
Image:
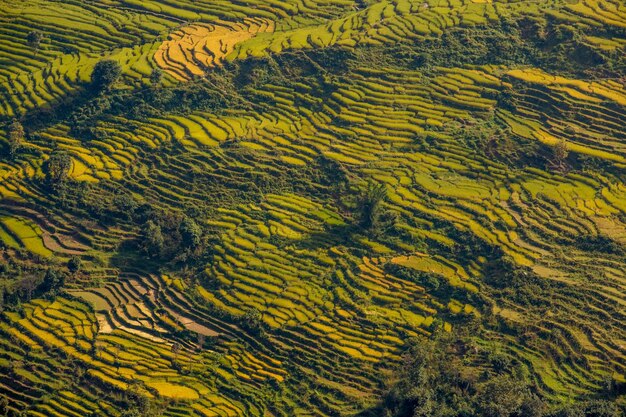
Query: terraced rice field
[[291, 306], [195, 48]]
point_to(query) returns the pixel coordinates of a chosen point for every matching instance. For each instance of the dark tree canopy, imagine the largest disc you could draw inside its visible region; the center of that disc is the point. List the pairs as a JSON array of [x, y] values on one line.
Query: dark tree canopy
[[57, 167], [105, 74], [156, 76], [34, 39], [191, 233], [152, 240], [74, 264], [370, 205], [16, 137]]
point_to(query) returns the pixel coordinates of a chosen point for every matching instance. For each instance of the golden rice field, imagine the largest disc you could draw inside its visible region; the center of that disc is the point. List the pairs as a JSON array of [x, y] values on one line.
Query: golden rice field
[[266, 122]]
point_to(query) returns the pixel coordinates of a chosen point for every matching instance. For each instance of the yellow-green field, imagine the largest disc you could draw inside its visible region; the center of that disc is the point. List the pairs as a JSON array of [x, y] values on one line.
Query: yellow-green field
[[270, 124]]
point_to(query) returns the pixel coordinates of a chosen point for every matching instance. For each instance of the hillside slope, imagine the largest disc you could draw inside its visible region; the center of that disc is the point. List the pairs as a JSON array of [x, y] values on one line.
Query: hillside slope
[[261, 208]]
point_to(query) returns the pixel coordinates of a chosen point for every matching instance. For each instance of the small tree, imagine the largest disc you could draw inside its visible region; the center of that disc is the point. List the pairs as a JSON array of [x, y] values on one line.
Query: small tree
[[53, 280], [34, 39], [74, 264], [156, 76], [57, 167], [176, 347], [28, 284], [191, 233], [4, 406], [16, 137], [369, 205], [559, 155], [201, 340], [125, 203], [105, 73], [532, 406], [252, 321], [153, 240]]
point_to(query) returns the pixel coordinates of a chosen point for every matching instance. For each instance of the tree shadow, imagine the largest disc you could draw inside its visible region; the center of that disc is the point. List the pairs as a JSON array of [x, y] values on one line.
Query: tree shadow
[[333, 236], [128, 257]]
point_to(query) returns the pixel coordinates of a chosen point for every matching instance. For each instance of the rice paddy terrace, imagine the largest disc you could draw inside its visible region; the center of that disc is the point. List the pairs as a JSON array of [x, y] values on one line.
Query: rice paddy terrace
[[356, 182]]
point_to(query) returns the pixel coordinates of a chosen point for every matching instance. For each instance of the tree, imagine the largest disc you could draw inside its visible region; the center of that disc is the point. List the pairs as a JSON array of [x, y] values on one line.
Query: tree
[[156, 76], [594, 408], [74, 264], [201, 340], [28, 284], [153, 240], [125, 203], [53, 280], [132, 412], [369, 205], [532, 406], [191, 233], [602, 408], [422, 59], [34, 39], [559, 155], [502, 396], [444, 377], [57, 167], [176, 347], [252, 320], [16, 137], [136, 402], [105, 73], [4, 406]]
